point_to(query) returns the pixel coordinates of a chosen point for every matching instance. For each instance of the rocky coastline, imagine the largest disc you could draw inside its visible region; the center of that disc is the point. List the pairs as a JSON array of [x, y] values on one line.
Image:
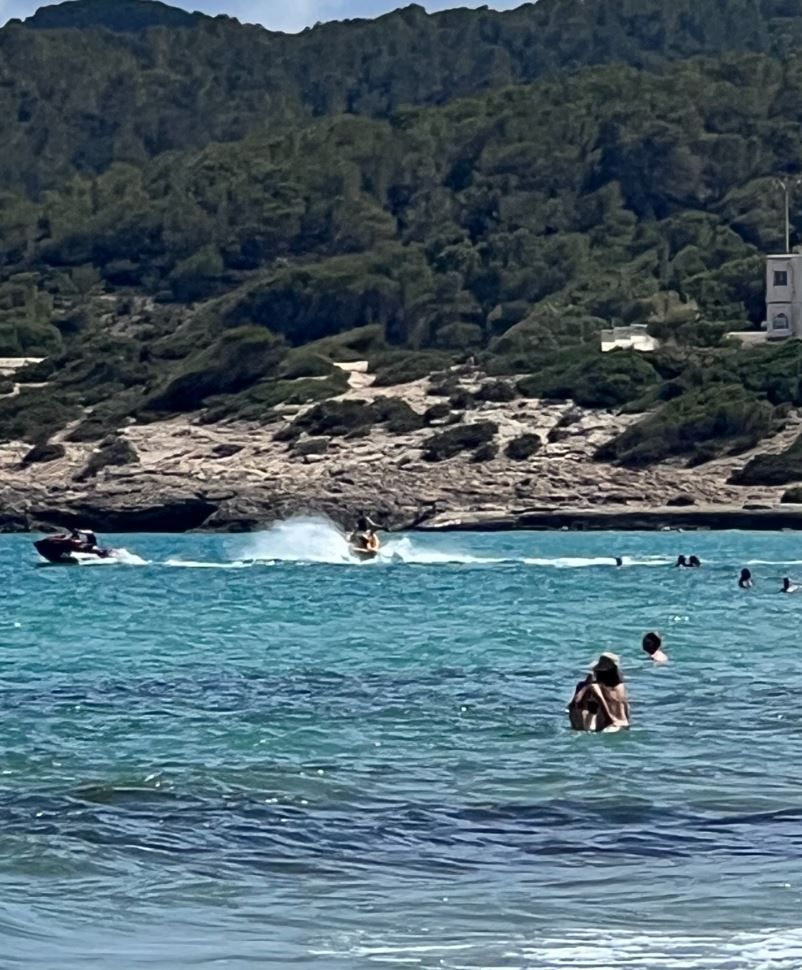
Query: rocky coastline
[[180, 475]]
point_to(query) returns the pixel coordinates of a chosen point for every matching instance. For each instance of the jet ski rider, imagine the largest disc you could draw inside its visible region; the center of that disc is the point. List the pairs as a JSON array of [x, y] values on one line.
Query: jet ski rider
[[364, 536], [87, 539]]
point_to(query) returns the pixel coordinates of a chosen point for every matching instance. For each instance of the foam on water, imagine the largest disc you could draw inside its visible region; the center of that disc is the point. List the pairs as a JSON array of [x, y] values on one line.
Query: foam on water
[[193, 564], [409, 550], [299, 539], [119, 557], [316, 539], [597, 947]]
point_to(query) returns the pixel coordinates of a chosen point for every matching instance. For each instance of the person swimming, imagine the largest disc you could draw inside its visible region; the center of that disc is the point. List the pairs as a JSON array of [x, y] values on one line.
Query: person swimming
[[600, 701], [619, 561], [788, 586], [652, 644], [745, 579], [681, 561], [694, 562]]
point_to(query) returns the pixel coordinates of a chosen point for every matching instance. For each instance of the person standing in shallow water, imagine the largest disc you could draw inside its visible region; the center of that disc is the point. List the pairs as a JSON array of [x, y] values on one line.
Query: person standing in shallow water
[[600, 702], [745, 580], [653, 645]]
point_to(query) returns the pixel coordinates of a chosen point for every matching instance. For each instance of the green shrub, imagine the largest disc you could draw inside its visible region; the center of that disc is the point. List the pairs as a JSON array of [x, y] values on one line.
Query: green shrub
[[196, 277], [238, 359], [259, 403], [353, 419], [113, 451], [772, 469], [466, 437], [36, 373], [45, 452], [460, 336], [444, 387], [485, 452], [593, 380], [793, 495], [566, 420], [34, 415], [497, 392], [397, 415], [403, 368], [723, 418], [437, 412], [107, 417], [461, 400], [335, 418], [300, 363], [523, 447], [358, 344]]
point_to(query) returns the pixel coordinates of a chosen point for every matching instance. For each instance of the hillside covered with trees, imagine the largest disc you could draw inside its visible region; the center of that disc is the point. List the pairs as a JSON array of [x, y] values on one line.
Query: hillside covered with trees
[[199, 216]]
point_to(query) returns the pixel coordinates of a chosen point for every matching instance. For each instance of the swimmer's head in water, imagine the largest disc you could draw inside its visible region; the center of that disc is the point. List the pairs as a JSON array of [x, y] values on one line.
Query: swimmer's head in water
[[619, 561], [607, 670], [681, 561], [652, 643], [694, 561], [746, 574]]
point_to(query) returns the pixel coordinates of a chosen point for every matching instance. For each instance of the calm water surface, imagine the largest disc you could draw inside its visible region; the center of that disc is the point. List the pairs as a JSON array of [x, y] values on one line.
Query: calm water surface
[[214, 756]]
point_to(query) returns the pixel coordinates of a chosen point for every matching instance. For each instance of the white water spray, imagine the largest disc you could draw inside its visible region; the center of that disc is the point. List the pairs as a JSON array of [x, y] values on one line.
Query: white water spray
[[299, 539]]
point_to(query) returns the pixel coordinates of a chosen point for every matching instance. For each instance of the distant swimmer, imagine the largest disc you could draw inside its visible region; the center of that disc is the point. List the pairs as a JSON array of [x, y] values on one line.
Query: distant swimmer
[[694, 562], [600, 701], [619, 561], [682, 561], [745, 579], [653, 645], [788, 586]]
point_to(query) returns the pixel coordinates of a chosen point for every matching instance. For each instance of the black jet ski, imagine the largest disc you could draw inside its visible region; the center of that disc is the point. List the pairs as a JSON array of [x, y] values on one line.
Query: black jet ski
[[64, 549]]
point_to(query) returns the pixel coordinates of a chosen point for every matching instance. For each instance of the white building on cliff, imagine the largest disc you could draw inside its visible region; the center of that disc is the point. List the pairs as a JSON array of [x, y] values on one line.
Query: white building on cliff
[[784, 296]]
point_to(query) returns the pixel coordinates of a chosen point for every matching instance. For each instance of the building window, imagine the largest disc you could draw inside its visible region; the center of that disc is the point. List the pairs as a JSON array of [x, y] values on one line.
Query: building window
[[780, 322], [780, 277]]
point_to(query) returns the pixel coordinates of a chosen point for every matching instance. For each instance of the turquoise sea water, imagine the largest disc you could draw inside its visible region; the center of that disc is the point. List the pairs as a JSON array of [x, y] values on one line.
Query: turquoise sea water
[[214, 756]]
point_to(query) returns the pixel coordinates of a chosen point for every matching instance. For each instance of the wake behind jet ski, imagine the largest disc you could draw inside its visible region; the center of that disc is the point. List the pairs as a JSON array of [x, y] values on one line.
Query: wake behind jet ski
[[69, 548]]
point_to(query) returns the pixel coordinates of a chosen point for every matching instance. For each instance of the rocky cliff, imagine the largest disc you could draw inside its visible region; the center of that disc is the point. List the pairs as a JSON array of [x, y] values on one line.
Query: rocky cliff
[[178, 474]]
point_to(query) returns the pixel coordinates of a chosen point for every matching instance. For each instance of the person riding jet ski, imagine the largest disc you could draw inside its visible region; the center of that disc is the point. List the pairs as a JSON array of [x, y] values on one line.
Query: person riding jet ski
[[86, 538], [364, 536], [63, 548]]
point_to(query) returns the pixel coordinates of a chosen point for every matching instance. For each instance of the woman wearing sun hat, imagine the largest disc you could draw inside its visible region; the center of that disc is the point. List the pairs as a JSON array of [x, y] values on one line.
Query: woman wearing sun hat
[[600, 702]]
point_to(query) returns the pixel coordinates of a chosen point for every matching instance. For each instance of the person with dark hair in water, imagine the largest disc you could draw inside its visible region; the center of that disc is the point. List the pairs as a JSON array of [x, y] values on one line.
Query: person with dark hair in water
[[694, 562], [600, 701], [745, 579], [652, 644], [364, 536], [788, 586], [619, 561], [86, 537], [681, 561]]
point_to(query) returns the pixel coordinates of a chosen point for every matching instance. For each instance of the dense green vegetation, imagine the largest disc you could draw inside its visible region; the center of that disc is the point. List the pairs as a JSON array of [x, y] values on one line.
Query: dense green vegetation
[[462, 437], [773, 469], [198, 216]]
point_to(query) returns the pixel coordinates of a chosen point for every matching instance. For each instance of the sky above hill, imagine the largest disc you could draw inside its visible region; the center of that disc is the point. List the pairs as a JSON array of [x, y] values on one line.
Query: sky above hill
[[283, 14]]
